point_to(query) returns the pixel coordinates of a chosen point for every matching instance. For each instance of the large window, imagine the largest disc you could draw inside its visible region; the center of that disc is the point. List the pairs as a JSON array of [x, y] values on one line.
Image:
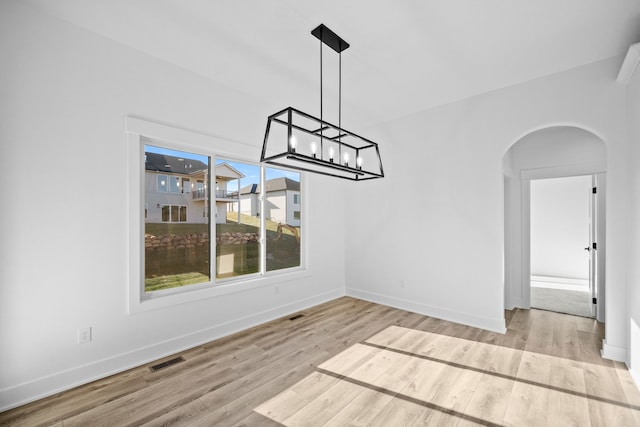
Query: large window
[[242, 194], [283, 228], [176, 245], [254, 228]]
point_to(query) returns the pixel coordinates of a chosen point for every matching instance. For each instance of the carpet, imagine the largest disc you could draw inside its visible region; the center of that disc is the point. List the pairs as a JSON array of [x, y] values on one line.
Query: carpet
[[577, 303]]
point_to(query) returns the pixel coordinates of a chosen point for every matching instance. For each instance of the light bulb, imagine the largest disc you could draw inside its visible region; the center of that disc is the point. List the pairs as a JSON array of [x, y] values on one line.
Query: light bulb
[[359, 162], [292, 143], [346, 159], [313, 148], [331, 154]]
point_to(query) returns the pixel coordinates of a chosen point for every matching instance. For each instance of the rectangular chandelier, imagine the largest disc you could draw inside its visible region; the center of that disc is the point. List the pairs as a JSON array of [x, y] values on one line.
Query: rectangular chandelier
[[300, 141]]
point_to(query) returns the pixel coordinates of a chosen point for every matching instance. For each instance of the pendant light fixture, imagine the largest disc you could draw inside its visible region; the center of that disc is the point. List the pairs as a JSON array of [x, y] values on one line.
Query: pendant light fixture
[[300, 141]]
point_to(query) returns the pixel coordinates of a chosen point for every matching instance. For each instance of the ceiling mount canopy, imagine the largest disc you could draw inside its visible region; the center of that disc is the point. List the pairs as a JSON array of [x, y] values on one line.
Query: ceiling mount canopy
[[298, 140]]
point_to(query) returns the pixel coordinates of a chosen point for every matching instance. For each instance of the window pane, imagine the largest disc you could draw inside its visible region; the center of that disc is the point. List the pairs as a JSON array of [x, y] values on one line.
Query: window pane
[[237, 218], [174, 184], [176, 244], [162, 183], [282, 212]]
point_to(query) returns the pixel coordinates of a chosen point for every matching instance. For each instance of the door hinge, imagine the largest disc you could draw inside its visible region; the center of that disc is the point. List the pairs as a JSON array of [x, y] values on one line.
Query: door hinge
[[594, 190], [595, 246], [594, 300]]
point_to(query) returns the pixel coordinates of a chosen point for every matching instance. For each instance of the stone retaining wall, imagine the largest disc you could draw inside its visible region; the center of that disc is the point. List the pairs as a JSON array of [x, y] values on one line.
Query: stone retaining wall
[[181, 241], [237, 238]]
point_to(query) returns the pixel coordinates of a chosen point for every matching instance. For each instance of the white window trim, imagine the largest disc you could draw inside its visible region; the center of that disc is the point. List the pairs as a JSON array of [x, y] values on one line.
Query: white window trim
[[138, 132]]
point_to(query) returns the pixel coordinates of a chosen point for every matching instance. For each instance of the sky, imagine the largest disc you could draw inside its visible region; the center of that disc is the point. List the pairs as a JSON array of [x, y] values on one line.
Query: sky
[[250, 171]]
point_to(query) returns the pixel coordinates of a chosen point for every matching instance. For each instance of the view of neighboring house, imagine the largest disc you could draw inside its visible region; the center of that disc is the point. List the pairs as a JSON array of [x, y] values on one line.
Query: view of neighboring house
[[282, 203], [175, 189], [225, 199]]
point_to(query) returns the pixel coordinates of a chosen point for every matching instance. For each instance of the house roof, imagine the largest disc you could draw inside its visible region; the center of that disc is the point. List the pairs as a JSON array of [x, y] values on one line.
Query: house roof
[[275, 184], [227, 172], [165, 163]]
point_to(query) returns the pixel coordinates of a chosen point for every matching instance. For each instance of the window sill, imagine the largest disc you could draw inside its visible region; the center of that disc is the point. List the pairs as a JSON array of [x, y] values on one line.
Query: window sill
[[160, 300]]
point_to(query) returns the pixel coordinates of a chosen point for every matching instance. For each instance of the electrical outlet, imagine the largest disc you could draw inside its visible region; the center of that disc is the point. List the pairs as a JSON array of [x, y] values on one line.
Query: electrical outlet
[[84, 335]]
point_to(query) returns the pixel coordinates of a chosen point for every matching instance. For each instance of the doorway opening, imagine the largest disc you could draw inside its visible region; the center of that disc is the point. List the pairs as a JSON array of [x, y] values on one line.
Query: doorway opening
[[549, 153], [561, 245]]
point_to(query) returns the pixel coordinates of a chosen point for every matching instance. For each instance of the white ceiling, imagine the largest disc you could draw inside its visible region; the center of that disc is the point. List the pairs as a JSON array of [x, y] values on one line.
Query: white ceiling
[[405, 55]]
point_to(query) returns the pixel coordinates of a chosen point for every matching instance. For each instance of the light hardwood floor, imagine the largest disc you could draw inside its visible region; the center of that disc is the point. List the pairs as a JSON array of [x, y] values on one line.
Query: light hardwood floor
[[351, 362]]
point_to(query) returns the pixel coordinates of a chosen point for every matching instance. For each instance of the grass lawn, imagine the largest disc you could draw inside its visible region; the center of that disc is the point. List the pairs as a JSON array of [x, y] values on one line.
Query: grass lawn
[[174, 281], [254, 221], [176, 268]]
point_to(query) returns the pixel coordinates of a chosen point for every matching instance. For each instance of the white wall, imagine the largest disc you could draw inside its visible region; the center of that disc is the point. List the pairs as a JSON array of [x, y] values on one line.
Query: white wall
[[65, 93], [560, 227], [633, 295], [430, 236]]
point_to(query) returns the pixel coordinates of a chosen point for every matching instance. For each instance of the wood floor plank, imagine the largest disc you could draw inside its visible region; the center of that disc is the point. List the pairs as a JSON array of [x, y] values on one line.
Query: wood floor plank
[[76, 401], [629, 389], [398, 412], [567, 374], [527, 405], [236, 408], [325, 406], [566, 409], [490, 399], [358, 412], [181, 415], [353, 362], [256, 420]]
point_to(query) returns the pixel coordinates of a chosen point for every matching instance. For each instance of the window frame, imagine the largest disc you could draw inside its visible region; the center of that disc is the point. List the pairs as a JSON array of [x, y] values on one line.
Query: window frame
[[140, 132]]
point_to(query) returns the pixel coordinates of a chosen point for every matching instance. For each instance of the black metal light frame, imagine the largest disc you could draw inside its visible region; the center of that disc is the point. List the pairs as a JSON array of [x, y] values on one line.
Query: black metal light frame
[[324, 148]]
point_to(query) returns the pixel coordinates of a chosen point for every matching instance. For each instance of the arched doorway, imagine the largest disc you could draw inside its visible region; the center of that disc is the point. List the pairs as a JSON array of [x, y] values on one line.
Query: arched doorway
[[552, 152]]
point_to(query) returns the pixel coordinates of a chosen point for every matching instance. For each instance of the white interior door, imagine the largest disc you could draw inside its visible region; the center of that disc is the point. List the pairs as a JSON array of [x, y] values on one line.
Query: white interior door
[[598, 255], [592, 245]]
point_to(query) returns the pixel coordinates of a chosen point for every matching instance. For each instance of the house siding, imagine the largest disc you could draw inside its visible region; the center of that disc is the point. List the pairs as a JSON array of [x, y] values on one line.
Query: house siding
[[154, 200]]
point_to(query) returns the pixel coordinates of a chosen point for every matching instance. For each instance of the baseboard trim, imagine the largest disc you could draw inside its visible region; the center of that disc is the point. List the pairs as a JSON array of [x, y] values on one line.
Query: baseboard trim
[[31, 391], [612, 352], [514, 303], [566, 280], [494, 325]]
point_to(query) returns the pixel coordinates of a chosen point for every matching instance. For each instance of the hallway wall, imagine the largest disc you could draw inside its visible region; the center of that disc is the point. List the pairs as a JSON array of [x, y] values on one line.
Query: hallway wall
[[560, 227]]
